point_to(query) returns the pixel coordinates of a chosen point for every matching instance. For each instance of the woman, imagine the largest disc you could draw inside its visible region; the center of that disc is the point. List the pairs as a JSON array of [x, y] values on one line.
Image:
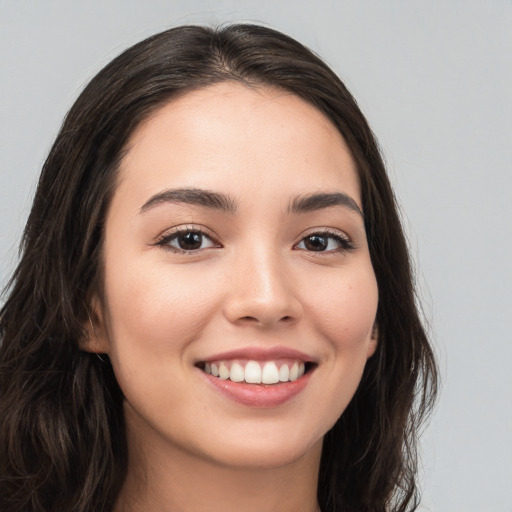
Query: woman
[[214, 307]]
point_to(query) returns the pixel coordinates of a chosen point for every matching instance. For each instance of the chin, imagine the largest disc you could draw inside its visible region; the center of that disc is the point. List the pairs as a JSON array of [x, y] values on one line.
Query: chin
[[264, 445], [266, 455]]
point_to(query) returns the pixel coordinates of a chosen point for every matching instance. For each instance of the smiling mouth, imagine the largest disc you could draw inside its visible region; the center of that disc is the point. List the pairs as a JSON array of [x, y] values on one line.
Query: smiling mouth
[[257, 372]]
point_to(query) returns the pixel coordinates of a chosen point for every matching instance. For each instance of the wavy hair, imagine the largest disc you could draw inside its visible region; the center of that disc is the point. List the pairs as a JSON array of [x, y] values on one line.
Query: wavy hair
[[62, 439]]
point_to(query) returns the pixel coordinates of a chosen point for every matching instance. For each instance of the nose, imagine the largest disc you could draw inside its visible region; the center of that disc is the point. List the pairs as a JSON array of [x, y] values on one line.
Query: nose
[[261, 291]]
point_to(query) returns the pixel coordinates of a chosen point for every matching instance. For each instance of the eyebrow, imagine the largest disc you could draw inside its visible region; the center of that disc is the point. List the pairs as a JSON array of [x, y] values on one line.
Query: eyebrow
[[194, 196], [318, 201]]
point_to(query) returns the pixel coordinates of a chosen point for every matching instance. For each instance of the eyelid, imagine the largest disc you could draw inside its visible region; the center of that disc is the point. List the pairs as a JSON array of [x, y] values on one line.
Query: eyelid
[[346, 241], [163, 239]]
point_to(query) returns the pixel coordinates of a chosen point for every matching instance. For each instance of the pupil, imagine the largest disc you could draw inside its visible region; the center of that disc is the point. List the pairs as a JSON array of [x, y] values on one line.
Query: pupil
[[190, 241], [316, 243]]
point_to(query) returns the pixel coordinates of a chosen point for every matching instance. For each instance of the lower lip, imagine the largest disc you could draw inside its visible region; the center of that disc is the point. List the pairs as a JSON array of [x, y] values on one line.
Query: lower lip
[[259, 395]]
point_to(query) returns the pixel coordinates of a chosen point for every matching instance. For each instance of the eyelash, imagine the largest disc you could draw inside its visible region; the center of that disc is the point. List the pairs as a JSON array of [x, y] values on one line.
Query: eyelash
[[165, 240], [343, 243]]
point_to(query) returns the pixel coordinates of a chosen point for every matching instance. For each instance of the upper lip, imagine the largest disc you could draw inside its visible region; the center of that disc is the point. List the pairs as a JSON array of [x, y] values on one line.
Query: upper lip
[[260, 354]]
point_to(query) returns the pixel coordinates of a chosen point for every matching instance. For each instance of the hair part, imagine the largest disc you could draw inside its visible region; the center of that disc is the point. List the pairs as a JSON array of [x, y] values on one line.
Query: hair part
[[62, 440]]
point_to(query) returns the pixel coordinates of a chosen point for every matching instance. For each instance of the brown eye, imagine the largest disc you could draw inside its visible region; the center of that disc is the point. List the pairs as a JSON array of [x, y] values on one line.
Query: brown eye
[[325, 242], [316, 243], [190, 241], [187, 240]]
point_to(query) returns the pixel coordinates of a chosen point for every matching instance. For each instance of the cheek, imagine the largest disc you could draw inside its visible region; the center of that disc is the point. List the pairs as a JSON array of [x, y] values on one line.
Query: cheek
[[153, 317], [345, 309], [155, 311]]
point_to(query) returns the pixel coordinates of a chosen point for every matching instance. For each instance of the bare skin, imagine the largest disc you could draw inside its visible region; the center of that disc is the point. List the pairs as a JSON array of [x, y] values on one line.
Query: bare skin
[[235, 236], [204, 486]]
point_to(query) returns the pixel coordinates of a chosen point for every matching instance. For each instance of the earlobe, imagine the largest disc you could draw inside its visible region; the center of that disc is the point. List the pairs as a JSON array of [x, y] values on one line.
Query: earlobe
[[95, 339], [372, 345]]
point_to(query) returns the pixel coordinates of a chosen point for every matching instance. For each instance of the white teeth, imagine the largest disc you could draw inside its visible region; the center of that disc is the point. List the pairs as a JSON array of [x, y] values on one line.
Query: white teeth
[[270, 373], [223, 371], [294, 372], [253, 372], [236, 374]]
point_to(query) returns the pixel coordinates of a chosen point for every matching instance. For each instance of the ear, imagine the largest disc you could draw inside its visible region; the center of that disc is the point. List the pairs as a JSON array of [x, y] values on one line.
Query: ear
[[96, 339], [372, 345]]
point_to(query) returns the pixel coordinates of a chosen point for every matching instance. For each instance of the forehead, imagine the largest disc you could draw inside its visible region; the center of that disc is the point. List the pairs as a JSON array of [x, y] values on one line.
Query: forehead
[[229, 135]]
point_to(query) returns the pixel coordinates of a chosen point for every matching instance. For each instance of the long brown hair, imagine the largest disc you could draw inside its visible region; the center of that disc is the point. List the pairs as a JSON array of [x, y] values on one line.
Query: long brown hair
[[62, 441]]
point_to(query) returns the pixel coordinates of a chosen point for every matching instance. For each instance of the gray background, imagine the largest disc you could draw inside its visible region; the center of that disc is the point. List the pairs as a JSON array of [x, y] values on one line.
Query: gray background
[[434, 79]]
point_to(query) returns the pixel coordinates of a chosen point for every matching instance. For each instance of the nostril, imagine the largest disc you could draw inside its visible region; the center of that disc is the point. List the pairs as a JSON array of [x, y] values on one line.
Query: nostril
[[286, 318], [250, 318]]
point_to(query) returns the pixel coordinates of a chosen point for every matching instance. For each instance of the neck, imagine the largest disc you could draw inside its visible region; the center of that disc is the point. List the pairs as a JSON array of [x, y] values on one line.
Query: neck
[[172, 480]]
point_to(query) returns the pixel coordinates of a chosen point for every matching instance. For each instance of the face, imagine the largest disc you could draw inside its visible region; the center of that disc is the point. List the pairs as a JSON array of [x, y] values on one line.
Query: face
[[239, 298]]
